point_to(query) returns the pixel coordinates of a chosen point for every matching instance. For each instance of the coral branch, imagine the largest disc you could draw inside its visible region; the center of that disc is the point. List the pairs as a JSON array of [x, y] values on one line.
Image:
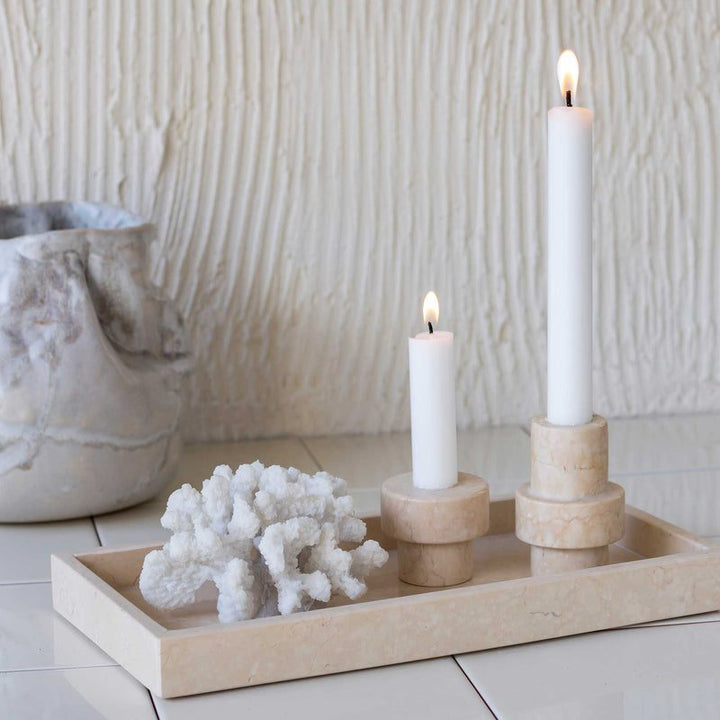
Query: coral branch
[[269, 538]]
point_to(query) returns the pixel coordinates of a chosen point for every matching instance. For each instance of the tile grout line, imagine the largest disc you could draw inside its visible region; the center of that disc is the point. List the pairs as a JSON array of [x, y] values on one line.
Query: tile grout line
[[59, 668], [310, 453], [97, 534], [152, 704], [660, 624], [473, 686]]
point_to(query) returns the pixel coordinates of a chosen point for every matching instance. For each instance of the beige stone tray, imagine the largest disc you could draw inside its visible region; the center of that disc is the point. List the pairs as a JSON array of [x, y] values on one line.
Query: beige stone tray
[[656, 571]]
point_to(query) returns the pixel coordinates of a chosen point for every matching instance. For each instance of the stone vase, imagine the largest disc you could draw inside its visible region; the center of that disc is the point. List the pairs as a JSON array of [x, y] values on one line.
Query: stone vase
[[92, 360]]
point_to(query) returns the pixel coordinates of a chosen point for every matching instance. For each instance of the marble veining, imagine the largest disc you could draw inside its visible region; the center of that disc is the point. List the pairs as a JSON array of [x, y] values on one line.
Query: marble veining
[[92, 359]]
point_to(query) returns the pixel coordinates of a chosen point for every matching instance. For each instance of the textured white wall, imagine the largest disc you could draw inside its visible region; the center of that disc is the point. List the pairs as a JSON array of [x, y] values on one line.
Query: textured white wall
[[314, 167]]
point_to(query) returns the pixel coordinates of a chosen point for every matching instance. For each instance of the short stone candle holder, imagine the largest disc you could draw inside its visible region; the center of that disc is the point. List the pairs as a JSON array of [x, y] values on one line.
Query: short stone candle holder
[[569, 513], [435, 529]]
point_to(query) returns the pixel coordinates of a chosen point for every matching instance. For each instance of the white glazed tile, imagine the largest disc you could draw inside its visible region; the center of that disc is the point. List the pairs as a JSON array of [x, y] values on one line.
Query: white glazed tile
[[659, 673], [663, 444], [689, 499], [26, 549], [105, 693], [423, 690], [687, 620], [366, 502], [364, 461], [141, 524], [500, 455], [34, 637], [198, 461]]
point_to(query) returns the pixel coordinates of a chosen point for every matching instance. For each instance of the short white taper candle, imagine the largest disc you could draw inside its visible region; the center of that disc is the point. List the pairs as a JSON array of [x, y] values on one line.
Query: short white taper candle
[[432, 404]]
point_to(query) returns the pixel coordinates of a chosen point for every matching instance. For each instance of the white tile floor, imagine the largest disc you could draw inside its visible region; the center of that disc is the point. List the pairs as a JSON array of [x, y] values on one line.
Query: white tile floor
[[35, 638], [103, 693], [669, 466], [658, 672], [690, 498], [25, 549], [430, 689], [664, 444]]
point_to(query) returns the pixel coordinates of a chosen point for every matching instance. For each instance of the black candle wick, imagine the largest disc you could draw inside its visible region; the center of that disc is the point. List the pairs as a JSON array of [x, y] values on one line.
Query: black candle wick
[[430, 327], [568, 98]]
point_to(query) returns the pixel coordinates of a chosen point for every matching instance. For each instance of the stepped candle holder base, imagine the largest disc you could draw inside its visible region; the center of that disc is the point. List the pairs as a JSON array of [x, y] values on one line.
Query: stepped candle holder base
[[569, 513], [435, 529]]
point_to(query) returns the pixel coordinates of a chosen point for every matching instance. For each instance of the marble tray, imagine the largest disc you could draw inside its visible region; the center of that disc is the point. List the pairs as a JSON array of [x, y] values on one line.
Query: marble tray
[[657, 571]]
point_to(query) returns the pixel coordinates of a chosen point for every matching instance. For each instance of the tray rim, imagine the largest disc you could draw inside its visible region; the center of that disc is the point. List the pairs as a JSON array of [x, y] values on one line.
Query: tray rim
[[163, 641], [74, 562]]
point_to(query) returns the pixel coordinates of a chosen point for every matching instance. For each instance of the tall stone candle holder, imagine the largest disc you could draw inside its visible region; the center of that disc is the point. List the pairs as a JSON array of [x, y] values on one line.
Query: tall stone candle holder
[[569, 512], [435, 529]]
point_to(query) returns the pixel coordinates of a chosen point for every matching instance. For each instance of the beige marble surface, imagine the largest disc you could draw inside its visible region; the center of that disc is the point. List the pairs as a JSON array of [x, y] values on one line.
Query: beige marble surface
[[489, 611], [550, 561], [434, 529], [568, 463], [569, 513], [451, 515], [586, 523]]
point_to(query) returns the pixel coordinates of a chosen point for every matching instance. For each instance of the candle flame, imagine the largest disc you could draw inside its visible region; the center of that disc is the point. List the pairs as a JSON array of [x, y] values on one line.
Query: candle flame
[[431, 308], [568, 71]]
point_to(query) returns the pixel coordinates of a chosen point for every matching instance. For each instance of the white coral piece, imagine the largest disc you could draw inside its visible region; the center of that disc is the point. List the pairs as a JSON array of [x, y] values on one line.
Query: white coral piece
[[269, 538]]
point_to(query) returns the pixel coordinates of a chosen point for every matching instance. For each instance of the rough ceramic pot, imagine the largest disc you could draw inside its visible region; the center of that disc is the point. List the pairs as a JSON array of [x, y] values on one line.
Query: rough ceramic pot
[[92, 358]]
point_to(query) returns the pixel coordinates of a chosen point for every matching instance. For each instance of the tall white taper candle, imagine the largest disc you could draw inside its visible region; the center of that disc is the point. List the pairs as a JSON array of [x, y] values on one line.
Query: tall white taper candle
[[569, 273], [432, 404]]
